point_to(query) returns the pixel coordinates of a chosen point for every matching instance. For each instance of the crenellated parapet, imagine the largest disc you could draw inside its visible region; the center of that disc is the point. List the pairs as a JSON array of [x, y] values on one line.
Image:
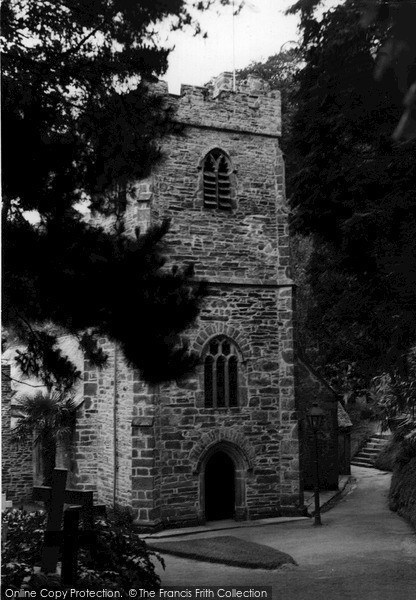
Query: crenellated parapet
[[251, 108]]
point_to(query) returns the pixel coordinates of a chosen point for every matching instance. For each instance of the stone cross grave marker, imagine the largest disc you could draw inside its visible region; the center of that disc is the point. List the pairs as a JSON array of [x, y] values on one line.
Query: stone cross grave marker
[[56, 496]]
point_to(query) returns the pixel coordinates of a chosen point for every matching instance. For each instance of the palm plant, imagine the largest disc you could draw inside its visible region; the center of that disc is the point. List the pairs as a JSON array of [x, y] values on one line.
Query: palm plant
[[397, 402], [47, 419]]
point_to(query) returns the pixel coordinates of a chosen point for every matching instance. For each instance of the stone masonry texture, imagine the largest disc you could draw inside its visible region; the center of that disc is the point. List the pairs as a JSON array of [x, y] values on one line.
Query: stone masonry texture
[[146, 447], [17, 466]]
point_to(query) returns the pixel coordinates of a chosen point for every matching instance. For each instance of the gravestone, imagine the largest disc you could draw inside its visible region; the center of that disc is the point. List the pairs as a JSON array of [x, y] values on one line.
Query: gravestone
[[69, 538]]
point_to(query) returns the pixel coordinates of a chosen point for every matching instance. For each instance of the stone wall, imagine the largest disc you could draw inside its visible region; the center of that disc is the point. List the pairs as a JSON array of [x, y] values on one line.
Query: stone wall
[[169, 425], [242, 244], [17, 465], [251, 109], [244, 255], [84, 452], [102, 447], [252, 240], [147, 447]]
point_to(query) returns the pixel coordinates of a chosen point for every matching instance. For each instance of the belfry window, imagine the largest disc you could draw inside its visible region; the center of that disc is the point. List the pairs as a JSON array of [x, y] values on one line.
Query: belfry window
[[217, 183], [221, 374]]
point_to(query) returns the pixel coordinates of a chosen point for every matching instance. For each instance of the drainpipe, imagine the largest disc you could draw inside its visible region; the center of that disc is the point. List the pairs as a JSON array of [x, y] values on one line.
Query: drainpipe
[[115, 464]]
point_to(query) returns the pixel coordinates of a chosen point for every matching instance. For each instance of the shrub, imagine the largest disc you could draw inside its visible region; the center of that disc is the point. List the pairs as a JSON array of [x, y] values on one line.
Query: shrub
[[119, 559], [22, 550], [403, 489], [368, 413], [397, 396], [386, 460], [407, 450]]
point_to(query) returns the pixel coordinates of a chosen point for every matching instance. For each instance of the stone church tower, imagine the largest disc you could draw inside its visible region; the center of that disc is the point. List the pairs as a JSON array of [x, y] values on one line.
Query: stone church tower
[[224, 442]]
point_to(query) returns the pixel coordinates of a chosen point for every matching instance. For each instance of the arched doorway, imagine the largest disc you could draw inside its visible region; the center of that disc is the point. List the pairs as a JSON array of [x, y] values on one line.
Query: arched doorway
[[219, 487]]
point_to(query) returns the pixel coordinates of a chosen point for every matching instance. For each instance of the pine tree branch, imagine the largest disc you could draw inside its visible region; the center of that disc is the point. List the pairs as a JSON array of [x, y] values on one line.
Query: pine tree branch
[[23, 382]]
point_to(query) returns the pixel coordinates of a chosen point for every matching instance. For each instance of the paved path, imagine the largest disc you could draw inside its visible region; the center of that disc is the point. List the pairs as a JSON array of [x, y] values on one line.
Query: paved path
[[362, 552]]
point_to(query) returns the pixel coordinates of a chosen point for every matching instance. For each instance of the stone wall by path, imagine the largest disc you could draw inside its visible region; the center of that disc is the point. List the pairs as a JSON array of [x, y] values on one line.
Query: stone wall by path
[[17, 460], [311, 388]]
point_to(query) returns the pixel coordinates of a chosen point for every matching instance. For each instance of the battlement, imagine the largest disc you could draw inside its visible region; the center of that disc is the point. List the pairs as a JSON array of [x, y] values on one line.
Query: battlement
[[252, 108], [253, 85]]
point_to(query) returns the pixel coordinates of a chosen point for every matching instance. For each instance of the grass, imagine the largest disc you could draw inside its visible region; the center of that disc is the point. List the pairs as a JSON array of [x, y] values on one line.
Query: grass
[[227, 550]]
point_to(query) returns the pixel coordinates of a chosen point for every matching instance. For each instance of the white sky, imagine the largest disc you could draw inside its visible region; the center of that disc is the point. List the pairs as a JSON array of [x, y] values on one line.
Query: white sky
[[260, 31]]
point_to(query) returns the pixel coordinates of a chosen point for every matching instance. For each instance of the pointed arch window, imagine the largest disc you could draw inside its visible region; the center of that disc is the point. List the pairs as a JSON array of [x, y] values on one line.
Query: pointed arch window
[[221, 373], [217, 180]]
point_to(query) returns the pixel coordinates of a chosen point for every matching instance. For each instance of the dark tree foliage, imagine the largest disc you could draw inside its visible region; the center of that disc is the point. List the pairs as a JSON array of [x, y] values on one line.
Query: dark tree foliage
[[79, 123], [395, 51], [279, 71], [353, 190]]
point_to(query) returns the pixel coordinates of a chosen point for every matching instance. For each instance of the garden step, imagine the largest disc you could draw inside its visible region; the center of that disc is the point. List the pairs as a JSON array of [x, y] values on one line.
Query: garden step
[[361, 456], [368, 465], [370, 457], [379, 442], [367, 454]]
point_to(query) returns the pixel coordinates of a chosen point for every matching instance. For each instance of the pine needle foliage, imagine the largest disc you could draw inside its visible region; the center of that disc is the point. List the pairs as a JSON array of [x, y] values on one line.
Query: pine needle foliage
[[80, 123]]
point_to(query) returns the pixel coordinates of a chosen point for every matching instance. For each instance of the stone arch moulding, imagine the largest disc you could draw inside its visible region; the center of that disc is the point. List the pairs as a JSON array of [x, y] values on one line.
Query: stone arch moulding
[[235, 335], [233, 174], [233, 444], [218, 146], [231, 441]]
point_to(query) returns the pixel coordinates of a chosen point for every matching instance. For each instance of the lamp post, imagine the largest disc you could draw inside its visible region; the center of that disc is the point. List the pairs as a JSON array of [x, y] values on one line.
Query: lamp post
[[315, 417]]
